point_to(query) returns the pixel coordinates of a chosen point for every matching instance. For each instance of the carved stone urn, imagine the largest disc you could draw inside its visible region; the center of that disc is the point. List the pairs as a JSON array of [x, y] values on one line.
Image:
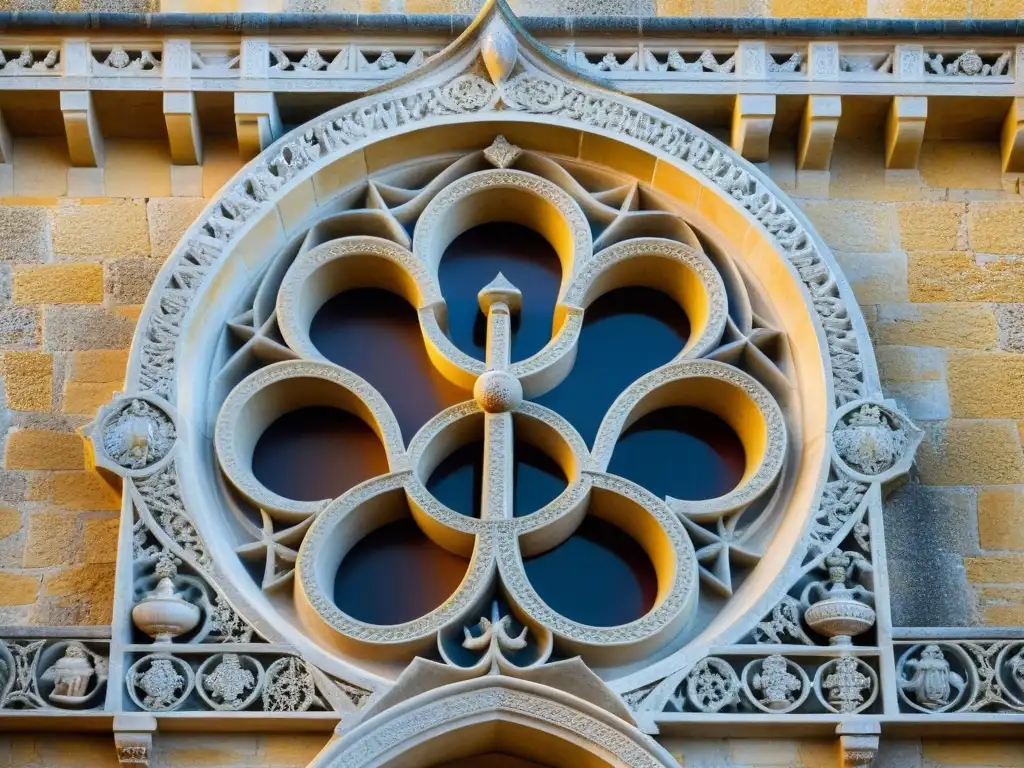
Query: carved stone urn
[[163, 614], [839, 615]]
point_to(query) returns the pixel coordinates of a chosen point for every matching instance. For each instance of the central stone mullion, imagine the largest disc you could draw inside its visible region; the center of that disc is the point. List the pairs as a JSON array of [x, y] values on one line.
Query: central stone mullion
[[497, 481], [498, 392]]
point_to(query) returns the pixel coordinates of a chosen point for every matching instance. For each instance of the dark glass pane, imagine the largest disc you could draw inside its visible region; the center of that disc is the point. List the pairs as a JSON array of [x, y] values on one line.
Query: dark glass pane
[[598, 576], [537, 480], [317, 453], [683, 452], [396, 574], [377, 335], [626, 333], [458, 480], [473, 260]]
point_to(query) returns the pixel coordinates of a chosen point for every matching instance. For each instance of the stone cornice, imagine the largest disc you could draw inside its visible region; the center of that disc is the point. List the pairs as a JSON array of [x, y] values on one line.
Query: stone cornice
[[400, 25]]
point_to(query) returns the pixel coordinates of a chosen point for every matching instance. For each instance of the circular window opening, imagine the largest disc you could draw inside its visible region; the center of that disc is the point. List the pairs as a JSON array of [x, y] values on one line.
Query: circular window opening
[[317, 453], [599, 576], [396, 574], [683, 452]]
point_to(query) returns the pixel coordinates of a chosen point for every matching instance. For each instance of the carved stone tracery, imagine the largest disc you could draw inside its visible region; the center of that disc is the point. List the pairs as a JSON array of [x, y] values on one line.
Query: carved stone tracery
[[870, 443]]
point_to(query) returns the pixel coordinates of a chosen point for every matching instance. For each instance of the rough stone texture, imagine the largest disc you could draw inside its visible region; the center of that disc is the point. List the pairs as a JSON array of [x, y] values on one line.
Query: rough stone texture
[[19, 327], [101, 539], [1001, 606], [927, 533], [969, 326], [42, 449], [910, 364], [995, 569], [28, 378], [87, 397], [986, 385], [1010, 318], [975, 752], [962, 276], [127, 281], [84, 489], [85, 327], [10, 521], [994, 227], [18, 588], [971, 452], [26, 233], [59, 284], [932, 226], [169, 217], [99, 365], [100, 229], [1001, 518], [876, 278], [852, 226], [53, 539], [89, 588]]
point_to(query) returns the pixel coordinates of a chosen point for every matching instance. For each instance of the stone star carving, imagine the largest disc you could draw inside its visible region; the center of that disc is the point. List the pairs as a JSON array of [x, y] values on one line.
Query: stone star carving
[[278, 550], [717, 551]]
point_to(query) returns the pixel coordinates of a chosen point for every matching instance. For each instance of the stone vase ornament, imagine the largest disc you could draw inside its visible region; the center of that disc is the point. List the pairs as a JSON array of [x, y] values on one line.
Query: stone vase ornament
[[163, 614], [839, 614]]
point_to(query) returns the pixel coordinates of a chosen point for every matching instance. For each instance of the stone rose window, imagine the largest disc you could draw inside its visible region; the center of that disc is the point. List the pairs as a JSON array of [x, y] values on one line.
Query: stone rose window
[[502, 376], [498, 374]]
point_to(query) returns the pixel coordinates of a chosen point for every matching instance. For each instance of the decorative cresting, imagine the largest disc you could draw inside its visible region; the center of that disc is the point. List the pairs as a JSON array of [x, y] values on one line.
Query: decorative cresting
[[298, 226]]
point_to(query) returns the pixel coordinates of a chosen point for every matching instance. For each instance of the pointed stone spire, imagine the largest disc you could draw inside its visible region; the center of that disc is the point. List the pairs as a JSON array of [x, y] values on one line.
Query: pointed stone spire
[[500, 290]]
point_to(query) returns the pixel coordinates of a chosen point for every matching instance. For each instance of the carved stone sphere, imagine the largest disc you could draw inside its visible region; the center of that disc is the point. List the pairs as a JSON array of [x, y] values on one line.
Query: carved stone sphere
[[498, 391]]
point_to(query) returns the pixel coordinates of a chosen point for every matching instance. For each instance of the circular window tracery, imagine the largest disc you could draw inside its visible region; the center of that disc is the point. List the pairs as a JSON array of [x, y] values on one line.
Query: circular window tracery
[[609, 237]]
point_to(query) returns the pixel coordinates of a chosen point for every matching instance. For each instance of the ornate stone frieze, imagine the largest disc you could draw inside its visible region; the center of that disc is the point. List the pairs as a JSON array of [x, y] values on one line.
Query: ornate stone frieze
[[52, 674]]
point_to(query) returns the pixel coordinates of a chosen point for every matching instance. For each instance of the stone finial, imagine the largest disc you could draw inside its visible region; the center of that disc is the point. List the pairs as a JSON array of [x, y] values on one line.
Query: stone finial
[[499, 49], [500, 290]]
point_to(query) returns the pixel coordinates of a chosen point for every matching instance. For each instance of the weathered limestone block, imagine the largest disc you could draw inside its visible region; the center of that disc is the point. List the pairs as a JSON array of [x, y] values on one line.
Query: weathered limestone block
[[85, 327], [26, 233], [857, 226], [28, 380], [966, 326], [100, 230], [53, 539], [1001, 518], [927, 533], [43, 449], [10, 521], [876, 278], [19, 588], [169, 217], [962, 276], [932, 226], [1010, 318], [986, 385], [127, 281], [84, 490], [995, 227], [59, 284], [89, 588], [101, 538], [971, 452]]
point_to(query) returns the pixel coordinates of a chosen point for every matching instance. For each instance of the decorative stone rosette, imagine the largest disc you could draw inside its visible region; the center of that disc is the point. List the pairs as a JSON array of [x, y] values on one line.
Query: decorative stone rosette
[[134, 435], [873, 442]]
